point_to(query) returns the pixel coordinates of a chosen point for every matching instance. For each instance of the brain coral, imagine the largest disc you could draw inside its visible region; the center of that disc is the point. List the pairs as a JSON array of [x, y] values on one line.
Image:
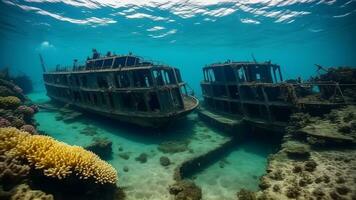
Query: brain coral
[[9, 102], [56, 159]]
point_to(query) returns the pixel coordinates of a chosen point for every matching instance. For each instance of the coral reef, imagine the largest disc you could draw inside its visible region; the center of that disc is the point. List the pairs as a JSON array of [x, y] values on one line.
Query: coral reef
[[9, 102], [164, 161], [246, 195], [12, 106], [26, 110], [314, 163], [102, 147], [4, 122], [28, 128], [12, 171], [185, 190], [24, 192], [11, 89], [56, 159]]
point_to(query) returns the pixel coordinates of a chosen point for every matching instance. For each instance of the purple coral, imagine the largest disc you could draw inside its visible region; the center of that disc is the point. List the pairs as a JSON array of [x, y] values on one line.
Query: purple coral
[[34, 108], [26, 110]]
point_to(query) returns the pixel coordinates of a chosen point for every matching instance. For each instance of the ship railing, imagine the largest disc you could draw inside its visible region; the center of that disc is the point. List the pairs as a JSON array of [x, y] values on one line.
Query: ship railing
[[82, 67], [323, 93]]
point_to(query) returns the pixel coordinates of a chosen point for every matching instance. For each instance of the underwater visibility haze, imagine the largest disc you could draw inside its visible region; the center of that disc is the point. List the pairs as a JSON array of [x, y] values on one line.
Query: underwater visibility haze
[[257, 141]]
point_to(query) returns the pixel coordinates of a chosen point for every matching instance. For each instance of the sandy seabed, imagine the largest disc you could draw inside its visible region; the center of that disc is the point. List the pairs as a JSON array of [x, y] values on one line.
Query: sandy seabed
[[241, 168]]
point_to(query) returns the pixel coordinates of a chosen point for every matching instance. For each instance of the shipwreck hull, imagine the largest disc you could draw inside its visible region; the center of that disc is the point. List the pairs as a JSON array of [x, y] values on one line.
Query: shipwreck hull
[[255, 94], [143, 119], [124, 88]]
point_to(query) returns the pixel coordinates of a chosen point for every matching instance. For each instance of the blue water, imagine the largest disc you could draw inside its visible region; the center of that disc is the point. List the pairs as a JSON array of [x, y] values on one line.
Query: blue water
[[188, 34]]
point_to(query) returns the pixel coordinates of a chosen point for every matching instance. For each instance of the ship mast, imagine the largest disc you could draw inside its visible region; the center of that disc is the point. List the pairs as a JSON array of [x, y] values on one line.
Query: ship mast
[[42, 63]]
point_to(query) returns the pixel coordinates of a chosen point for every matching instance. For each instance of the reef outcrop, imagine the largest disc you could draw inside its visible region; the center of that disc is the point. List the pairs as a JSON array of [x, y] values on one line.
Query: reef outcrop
[[317, 159], [15, 109], [35, 166], [56, 159], [24, 192], [102, 147], [172, 147], [185, 190], [54, 167]]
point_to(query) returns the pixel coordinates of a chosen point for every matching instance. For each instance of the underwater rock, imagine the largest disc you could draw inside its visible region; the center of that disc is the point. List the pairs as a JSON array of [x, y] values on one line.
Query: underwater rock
[[342, 190], [173, 146], [318, 193], [185, 190], [244, 194], [328, 133], [12, 171], [293, 191], [296, 150], [17, 122], [297, 169], [24, 192], [89, 131], [305, 179], [4, 91], [142, 158], [310, 165], [328, 172], [264, 184], [124, 155], [28, 128], [126, 169], [102, 147], [277, 175], [4, 122], [164, 161]]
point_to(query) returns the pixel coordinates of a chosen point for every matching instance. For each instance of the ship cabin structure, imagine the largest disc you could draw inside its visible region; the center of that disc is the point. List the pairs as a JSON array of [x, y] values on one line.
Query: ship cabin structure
[[123, 87], [255, 93]]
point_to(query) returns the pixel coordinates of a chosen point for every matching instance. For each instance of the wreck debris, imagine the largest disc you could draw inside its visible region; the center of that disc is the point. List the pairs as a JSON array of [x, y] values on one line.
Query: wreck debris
[[255, 93], [123, 87]]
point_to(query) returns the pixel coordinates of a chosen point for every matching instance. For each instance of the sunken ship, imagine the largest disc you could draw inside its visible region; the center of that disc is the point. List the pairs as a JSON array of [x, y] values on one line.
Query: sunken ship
[[254, 93], [122, 87]]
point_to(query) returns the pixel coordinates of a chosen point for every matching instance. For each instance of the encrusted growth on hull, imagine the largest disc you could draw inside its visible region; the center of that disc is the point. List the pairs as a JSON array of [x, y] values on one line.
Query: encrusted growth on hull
[[122, 87]]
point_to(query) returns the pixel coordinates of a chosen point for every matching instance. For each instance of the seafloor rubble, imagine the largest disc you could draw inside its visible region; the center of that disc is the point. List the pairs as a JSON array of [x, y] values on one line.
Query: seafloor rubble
[[317, 159], [34, 166]]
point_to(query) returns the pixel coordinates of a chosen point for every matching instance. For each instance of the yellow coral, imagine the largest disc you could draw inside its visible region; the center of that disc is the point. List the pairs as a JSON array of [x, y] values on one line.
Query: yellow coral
[[57, 159], [9, 102], [10, 137]]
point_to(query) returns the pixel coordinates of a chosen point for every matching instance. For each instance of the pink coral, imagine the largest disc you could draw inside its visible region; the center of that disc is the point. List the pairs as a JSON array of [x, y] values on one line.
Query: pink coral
[[34, 108], [4, 122], [25, 110], [29, 128]]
